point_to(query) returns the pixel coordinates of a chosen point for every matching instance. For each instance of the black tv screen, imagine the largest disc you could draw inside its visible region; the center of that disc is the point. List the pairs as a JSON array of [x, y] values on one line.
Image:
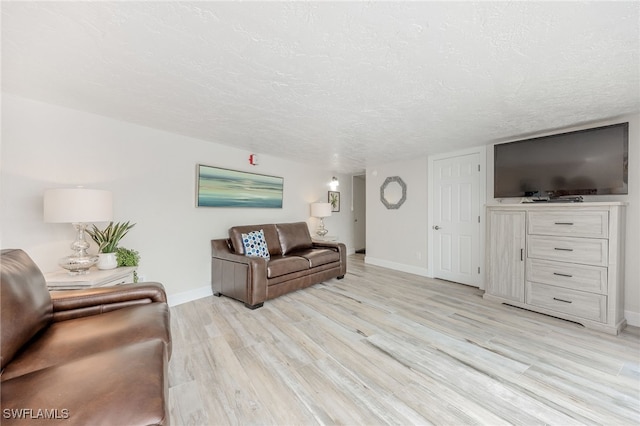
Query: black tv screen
[[586, 162]]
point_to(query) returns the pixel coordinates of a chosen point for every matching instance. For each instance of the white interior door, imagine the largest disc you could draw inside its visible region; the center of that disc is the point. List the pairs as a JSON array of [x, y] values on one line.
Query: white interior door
[[456, 218]]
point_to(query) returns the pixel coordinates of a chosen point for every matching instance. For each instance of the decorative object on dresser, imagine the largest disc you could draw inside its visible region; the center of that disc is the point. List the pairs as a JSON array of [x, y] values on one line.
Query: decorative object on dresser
[[78, 206], [566, 165], [107, 240], [321, 210], [565, 260], [393, 192]]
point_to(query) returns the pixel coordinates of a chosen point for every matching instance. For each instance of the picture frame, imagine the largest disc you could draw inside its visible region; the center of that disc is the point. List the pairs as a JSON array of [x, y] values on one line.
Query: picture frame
[[333, 198], [220, 187]]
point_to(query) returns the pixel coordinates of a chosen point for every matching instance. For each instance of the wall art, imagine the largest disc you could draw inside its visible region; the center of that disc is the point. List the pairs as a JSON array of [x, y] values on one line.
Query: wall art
[[393, 192], [218, 187], [334, 200]]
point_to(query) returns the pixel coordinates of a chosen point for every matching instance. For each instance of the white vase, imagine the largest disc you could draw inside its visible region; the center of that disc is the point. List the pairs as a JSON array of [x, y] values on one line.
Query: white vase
[[107, 261]]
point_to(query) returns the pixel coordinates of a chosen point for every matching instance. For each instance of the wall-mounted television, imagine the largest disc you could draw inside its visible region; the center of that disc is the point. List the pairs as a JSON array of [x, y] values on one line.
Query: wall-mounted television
[[585, 162]]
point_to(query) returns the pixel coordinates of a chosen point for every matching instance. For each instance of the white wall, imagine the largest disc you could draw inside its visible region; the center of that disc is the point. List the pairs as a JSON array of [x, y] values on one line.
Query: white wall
[[152, 175], [397, 238], [394, 237]]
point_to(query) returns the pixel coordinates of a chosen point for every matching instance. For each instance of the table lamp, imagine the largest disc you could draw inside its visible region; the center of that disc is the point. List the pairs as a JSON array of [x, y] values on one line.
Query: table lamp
[[78, 206], [321, 210]]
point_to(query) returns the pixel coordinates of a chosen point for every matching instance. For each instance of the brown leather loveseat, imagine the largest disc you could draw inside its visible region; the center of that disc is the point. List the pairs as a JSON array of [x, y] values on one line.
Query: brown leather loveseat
[[81, 357], [295, 262]]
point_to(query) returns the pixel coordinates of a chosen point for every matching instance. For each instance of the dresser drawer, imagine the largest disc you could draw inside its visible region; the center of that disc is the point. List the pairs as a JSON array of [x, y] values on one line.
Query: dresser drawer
[[589, 224], [578, 277], [572, 302], [588, 251]]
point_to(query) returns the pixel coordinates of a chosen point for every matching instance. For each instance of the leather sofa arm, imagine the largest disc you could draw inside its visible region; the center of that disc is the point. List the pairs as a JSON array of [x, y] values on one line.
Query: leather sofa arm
[[249, 284], [220, 249], [328, 244], [340, 248], [69, 304]]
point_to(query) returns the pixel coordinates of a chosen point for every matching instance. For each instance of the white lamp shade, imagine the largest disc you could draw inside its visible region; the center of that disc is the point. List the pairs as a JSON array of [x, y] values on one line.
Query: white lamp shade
[[320, 209], [77, 205]]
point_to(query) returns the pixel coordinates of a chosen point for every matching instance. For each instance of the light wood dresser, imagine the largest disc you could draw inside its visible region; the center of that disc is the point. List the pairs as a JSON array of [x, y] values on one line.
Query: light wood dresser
[[561, 259]]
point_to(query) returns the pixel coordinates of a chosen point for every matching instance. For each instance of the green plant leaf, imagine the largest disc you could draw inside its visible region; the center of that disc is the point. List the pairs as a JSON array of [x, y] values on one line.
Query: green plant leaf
[[127, 257], [108, 238]]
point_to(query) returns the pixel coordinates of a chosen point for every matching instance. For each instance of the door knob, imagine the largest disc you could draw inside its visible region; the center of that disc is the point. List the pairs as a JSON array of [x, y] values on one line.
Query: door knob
[[436, 227]]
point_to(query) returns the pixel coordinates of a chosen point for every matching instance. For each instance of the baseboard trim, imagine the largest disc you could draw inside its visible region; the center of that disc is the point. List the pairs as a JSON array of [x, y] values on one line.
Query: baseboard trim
[[415, 270], [633, 318], [188, 296]]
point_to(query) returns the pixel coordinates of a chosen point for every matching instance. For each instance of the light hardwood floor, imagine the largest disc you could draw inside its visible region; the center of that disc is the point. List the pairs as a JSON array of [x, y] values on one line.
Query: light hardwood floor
[[384, 347]]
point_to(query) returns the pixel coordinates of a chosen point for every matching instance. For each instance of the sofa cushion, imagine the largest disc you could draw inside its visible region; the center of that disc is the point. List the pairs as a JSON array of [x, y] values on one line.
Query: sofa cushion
[[124, 386], [317, 257], [26, 306], [294, 236], [282, 265], [72, 339], [270, 236], [302, 275], [254, 244]]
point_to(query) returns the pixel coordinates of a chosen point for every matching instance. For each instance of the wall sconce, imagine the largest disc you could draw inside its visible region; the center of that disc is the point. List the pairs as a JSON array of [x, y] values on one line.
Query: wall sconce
[[334, 183], [321, 210]]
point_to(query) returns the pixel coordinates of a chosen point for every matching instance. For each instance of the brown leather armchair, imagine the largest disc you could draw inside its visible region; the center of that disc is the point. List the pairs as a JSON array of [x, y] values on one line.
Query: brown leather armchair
[[96, 356]]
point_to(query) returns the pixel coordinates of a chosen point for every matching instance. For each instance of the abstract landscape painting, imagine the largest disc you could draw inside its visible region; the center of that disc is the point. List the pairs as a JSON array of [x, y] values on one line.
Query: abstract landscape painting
[[219, 187]]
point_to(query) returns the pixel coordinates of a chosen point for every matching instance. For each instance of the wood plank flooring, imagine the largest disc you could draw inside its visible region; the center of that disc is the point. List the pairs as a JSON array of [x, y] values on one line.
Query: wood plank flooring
[[384, 347]]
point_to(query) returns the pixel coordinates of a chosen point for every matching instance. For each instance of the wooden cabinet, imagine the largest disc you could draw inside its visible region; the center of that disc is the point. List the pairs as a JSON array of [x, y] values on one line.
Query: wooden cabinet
[[562, 260], [506, 255]]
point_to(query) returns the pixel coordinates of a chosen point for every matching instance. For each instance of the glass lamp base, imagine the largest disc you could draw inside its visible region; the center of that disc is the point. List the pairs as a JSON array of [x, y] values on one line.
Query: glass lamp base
[[321, 231], [78, 265]]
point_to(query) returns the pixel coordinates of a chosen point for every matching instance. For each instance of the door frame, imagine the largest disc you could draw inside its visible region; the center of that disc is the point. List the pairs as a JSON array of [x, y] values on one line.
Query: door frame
[[482, 200], [362, 176]]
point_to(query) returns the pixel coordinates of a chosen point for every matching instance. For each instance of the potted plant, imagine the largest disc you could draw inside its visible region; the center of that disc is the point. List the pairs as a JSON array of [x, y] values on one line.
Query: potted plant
[[128, 257], [107, 240]]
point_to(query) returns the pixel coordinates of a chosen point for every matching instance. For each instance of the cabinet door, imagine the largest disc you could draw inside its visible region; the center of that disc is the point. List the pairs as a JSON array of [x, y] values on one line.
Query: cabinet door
[[506, 239]]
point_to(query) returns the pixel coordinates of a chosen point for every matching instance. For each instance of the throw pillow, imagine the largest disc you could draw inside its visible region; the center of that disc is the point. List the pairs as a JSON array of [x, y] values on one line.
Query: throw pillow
[[255, 245]]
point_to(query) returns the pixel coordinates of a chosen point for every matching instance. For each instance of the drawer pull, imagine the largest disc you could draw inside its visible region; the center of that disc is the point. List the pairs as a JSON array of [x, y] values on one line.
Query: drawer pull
[[563, 275], [564, 223], [563, 249], [562, 300]]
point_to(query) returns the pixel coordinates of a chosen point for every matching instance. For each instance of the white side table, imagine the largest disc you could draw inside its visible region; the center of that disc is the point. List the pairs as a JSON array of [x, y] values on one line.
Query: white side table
[[61, 280], [325, 239]]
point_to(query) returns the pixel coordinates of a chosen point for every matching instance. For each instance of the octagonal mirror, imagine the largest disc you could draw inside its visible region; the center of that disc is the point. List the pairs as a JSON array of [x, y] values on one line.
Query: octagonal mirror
[[393, 192]]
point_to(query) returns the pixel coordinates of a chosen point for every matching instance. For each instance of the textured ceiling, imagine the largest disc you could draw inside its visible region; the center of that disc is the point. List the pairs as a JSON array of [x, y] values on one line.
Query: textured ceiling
[[340, 84]]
